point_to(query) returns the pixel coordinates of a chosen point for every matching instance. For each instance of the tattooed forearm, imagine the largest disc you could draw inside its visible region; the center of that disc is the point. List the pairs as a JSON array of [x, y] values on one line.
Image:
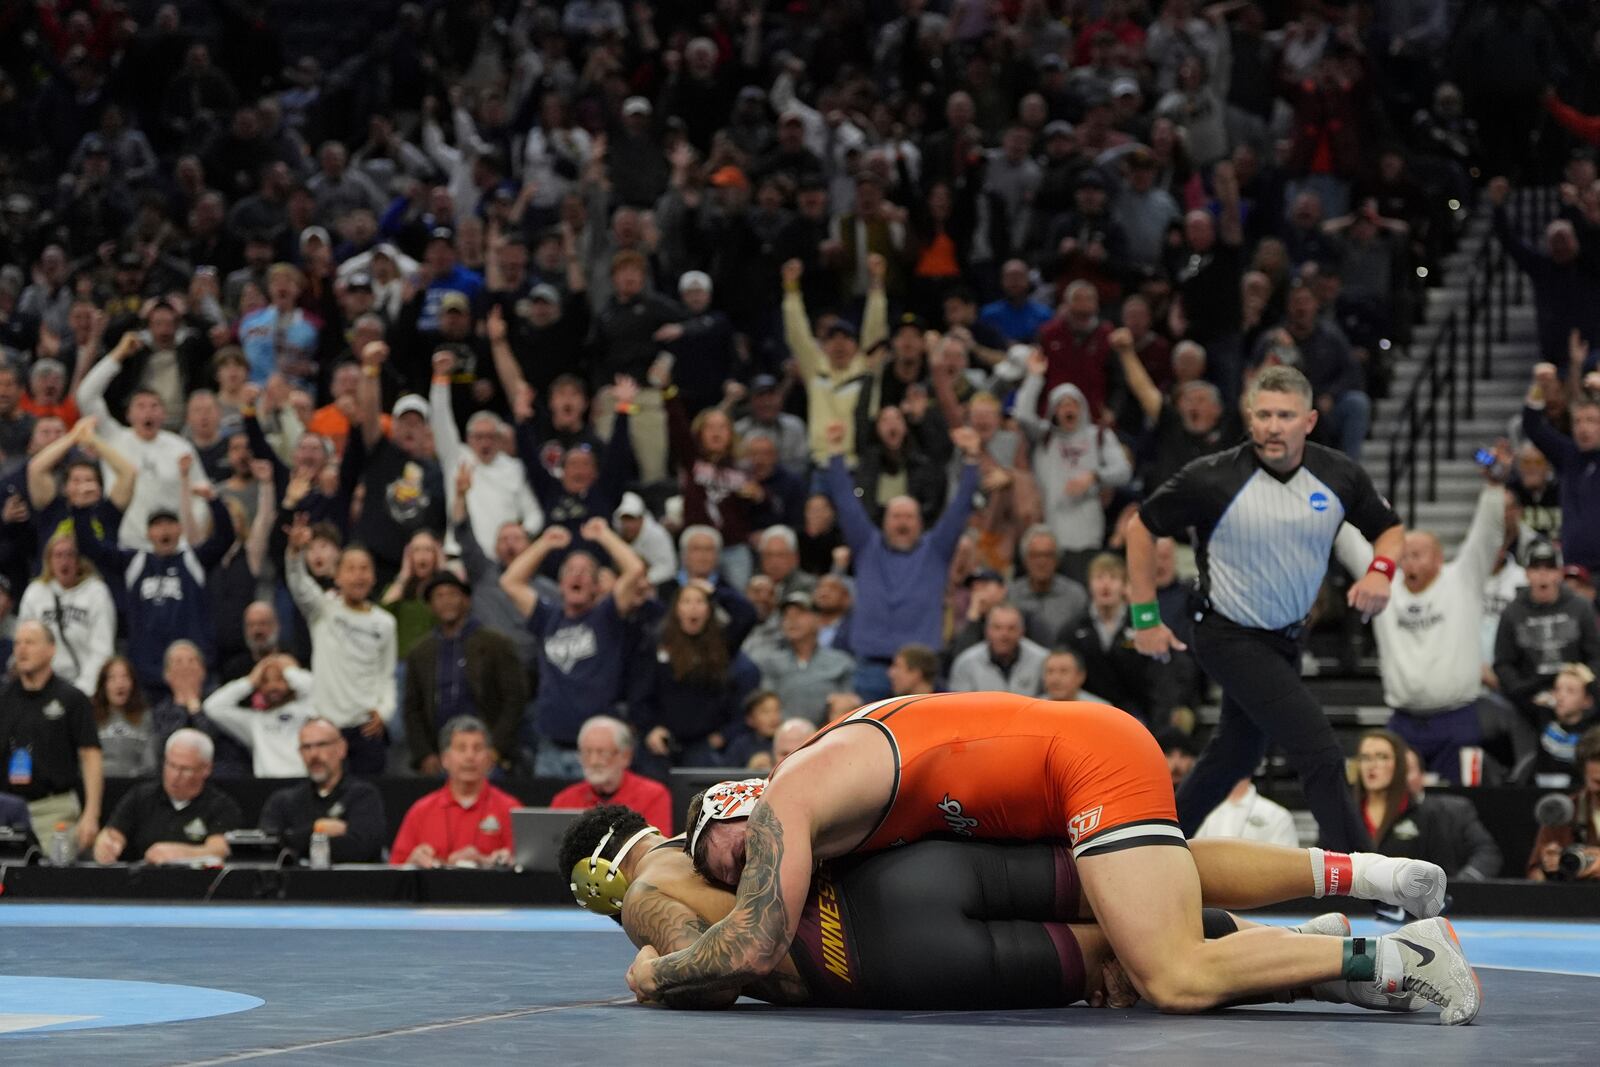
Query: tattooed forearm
[[655, 919], [745, 945]]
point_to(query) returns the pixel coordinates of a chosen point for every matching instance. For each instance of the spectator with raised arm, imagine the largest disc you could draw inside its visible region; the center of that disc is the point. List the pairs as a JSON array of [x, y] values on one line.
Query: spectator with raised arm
[[1563, 280], [834, 370], [153, 451], [81, 483], [164, 587], [353, 651], [1574, 457], [584, 637], [900, 569], [587, 485], [1192, 424]]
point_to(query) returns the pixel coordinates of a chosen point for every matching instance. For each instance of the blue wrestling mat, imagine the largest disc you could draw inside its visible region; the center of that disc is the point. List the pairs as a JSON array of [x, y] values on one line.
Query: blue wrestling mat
[[146, 985]]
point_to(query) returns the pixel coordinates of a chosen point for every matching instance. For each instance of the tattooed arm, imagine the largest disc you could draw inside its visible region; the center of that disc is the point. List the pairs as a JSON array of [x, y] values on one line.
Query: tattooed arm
[[745, 946], [651, 917]]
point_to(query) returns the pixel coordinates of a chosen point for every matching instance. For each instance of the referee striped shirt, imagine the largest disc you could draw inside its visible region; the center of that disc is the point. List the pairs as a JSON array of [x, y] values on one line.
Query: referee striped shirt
[[1263, 539]]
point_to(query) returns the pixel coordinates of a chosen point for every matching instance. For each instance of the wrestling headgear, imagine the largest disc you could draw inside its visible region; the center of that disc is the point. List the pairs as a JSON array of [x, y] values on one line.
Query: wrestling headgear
[[597, 883], [723, 801]]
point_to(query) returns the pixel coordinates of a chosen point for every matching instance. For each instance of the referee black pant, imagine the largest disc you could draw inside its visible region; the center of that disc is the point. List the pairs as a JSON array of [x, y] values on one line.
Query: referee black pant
[[1263, 699]]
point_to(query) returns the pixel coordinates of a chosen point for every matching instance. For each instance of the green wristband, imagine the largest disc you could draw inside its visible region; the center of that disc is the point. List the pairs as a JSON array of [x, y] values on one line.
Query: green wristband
[[1146, 616]]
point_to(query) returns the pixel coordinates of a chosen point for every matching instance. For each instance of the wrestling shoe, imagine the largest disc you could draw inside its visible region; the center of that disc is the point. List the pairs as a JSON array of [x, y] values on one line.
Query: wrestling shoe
[[1333, 924], [1361, 994], [1425, 958], [1415, 885]]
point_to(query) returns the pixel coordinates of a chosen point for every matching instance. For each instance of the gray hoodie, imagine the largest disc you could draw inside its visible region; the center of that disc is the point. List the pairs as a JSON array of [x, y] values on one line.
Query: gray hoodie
[[1078, 522]]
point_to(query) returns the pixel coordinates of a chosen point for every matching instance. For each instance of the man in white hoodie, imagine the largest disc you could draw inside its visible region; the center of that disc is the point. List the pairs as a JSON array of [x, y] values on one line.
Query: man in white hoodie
[[265, 710], [1428, 640], [153, 451], [499, 491], [1073, 460], [635, 525]]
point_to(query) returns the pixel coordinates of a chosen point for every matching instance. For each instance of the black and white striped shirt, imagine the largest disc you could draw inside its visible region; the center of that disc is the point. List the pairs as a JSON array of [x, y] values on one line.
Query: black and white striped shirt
[[1263, 539]]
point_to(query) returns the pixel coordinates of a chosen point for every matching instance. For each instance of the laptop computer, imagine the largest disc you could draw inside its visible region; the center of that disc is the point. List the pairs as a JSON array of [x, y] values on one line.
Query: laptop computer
[[536, 836]]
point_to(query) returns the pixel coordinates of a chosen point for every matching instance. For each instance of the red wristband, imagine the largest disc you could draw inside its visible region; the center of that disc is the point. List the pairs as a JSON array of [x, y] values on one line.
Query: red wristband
[[1383, 565]]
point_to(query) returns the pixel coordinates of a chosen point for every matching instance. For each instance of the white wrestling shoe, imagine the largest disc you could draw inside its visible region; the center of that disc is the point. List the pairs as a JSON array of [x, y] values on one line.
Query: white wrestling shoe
[[1361, 994], [1333, 924], [1435, 968], [1415, 885]]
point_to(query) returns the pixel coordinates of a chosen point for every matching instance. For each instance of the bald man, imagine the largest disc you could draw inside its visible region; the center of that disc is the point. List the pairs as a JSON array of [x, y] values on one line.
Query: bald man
[[792, 733], [1428, 640]]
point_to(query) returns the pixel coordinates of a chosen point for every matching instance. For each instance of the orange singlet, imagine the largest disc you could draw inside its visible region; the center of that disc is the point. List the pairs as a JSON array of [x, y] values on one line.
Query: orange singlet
[[995, 765]]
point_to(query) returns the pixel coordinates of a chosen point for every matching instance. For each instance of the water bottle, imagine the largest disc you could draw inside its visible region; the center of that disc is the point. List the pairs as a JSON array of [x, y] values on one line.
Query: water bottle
[[321, 852], [62, 849]]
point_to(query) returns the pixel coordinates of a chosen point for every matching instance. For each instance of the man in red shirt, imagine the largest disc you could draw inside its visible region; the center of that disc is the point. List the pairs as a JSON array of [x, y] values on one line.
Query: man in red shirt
[[1077, 344], [468, 822], [605, 748]]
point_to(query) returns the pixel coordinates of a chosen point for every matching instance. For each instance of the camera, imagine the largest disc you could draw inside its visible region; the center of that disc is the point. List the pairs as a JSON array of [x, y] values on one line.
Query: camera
[[1556, 809]]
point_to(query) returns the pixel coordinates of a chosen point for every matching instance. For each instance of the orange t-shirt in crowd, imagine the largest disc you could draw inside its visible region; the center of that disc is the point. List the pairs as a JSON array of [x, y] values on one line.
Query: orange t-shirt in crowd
[[66, 411], [438, 819]]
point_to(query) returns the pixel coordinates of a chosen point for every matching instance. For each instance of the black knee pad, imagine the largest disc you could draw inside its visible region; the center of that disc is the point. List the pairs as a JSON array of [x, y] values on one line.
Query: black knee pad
[[1217, 923]]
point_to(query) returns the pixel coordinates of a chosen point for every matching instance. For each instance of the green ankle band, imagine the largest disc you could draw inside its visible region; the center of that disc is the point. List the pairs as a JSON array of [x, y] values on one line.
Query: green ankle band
[[1360, 960]]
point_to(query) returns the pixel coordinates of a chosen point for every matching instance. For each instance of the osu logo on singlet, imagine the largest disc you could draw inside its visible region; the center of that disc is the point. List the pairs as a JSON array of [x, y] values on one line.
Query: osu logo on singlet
[[1083, 823], [953, 817]]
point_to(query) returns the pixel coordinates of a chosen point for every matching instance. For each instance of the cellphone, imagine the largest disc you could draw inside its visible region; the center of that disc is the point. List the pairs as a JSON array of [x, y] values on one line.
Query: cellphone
[[1485, 458]]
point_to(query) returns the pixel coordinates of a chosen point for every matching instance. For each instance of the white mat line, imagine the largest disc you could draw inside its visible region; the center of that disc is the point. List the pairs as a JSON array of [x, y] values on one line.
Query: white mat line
[[403, 1031]]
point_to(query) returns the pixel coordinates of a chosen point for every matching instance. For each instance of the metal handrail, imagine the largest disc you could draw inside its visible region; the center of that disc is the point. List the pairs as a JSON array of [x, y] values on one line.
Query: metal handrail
[[1459, 357]]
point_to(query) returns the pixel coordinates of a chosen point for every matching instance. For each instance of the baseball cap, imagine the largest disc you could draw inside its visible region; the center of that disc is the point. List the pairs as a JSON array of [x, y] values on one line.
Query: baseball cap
[[94, 145], [752, 92], [636, 105], [412, 404], [1091, 178], [799, 600], [546, 292], [694, 279], [729, 177], [1124, 87], [1543, 554], [837, 326], [1052, 62], [983, 574], [632, 506], [161, 515], [1578, 571], [314, 232], [454, 301], [442, 579], [442, 233], [909, 320], [358, 280], [763, 383], [1059, 128], [130, 261]]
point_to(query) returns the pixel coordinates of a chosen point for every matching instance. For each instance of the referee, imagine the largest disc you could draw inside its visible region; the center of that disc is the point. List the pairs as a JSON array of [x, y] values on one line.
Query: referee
[[1262, 517]]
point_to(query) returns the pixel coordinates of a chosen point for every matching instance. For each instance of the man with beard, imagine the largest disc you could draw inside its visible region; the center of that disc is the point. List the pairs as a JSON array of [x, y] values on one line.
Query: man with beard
[[264, 711], [348, 810], [260, 625]]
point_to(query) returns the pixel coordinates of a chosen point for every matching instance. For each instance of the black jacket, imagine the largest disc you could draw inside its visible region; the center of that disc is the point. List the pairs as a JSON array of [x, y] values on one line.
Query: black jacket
[[1534, 640], [1445, 830]]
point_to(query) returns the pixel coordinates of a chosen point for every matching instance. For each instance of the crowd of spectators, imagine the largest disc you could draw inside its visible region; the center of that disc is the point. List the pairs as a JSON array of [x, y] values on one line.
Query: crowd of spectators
[[677, 378]]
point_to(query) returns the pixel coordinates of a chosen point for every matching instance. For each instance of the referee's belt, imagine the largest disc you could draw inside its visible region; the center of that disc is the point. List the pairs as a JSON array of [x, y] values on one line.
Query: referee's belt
[[1293, 632]]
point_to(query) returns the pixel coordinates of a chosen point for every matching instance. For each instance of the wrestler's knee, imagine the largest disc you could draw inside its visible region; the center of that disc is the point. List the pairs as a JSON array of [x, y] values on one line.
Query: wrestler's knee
[[1175, 988]]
